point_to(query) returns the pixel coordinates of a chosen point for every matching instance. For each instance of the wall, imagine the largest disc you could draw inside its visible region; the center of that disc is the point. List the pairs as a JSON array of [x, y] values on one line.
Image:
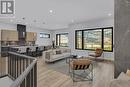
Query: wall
[[86, 25], [122, 36], [40, 41]]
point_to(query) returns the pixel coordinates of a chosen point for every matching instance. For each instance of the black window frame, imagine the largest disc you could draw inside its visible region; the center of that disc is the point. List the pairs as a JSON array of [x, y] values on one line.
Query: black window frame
[[44, 34], [102, 45], [59, 39]]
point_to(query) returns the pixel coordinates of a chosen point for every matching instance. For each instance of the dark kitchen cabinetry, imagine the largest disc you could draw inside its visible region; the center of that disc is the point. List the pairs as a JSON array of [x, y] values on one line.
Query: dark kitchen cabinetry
[[21, 31], [4, 51], [21, 34]]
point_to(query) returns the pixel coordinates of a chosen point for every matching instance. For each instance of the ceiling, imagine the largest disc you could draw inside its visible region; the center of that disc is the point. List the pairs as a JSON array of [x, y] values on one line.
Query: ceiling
[[56, 14]]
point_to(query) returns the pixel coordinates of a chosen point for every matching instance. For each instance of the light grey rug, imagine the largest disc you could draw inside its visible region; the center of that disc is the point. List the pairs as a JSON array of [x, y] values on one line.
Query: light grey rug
[[59, 66], [63, 67], [103, 73]]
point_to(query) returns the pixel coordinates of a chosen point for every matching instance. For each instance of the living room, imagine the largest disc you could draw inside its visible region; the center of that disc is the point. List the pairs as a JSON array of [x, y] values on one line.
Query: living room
[[65, 43]]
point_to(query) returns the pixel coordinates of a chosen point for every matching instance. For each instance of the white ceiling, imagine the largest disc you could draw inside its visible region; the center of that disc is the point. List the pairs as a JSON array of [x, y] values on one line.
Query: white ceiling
[[64, 12]]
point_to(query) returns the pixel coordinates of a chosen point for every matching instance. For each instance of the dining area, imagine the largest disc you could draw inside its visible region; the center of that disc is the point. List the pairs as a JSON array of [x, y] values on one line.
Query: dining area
[[33, 51]]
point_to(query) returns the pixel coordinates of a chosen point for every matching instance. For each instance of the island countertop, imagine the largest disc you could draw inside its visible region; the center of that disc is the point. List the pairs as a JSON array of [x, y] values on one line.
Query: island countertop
[[22, 49]]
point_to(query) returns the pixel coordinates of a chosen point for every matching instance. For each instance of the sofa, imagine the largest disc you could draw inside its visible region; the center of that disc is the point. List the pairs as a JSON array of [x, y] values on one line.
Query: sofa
[[53, 55], [122, 81]]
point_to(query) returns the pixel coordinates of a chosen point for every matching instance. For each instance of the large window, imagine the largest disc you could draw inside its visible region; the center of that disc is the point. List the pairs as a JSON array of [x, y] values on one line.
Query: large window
[[91, 39], [62, 39]]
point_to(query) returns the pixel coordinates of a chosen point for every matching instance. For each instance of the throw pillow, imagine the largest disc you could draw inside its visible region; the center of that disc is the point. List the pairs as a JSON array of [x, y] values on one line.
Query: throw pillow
[[128, 72], [123, 76], [58, 52]]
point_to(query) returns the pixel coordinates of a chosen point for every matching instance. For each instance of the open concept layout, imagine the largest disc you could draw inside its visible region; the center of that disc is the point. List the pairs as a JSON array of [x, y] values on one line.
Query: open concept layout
[[64, 43]]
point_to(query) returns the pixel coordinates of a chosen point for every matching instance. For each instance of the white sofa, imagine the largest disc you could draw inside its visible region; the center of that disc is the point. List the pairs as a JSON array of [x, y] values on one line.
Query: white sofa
[[56, 54], [122, 81]]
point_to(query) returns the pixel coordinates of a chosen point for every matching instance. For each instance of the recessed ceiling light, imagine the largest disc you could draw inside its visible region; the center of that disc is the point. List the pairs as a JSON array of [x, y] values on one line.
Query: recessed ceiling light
[[23, 18], [72, 21], [50, 11], [109, 14]]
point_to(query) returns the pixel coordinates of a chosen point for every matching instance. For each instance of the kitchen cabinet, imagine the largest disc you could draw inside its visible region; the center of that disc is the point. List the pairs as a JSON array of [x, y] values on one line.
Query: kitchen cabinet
[[31, 36], [9, 35], [13, 36]]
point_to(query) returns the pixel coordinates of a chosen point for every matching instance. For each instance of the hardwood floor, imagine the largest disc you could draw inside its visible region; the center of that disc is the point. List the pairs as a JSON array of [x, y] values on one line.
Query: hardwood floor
[[3, 65], [51, 78], [48, 77], [103, 74]]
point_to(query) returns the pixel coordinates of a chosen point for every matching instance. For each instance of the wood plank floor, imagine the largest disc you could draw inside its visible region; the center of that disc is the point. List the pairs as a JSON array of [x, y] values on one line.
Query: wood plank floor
[[3, 65], [47, 77], [103, 74]]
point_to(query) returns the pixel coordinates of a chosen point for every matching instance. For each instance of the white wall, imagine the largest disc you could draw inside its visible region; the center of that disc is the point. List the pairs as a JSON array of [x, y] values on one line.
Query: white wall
[[85, 25], [71, 30], [40, 41]]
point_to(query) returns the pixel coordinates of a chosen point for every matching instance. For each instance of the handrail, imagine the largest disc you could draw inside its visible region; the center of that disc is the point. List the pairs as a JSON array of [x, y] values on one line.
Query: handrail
[[19, 80], [20, 55]]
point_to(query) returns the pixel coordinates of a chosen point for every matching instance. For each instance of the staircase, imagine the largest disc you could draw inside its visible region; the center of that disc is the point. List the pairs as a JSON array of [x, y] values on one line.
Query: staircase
[[20, 71]]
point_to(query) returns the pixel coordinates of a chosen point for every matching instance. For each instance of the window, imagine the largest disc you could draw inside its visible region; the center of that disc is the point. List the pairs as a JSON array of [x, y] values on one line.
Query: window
[[108, 37], [44, 35], [91, 39], [62, 40], [79, 39]]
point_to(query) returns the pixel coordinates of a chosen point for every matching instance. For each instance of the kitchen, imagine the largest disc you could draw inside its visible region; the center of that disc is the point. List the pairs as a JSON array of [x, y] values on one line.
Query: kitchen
[[18, 40]]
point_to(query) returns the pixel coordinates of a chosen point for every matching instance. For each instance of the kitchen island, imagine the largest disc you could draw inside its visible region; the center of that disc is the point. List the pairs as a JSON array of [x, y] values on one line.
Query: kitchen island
[[29, 50]]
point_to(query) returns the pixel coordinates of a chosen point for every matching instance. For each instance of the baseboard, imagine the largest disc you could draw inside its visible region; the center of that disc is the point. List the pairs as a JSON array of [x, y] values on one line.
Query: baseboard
[[3, 76]]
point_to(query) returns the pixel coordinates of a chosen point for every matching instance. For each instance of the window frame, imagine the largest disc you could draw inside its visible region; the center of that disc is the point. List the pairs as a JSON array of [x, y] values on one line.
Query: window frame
[[59, 39], [102, 38], [44, 34], [76, 40]]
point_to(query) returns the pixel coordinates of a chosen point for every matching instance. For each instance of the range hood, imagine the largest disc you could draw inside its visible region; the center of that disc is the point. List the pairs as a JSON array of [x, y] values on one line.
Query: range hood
[[21, 34]]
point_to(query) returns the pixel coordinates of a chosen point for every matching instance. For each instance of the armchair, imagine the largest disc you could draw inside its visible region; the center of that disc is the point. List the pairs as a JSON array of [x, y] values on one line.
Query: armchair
[[98, 53], [84, 66]]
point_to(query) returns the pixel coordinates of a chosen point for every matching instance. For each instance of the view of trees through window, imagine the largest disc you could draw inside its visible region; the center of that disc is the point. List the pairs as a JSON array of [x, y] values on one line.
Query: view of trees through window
[[107, 39], [95, 38], [62, 39], [79, 40], [92, 39]]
